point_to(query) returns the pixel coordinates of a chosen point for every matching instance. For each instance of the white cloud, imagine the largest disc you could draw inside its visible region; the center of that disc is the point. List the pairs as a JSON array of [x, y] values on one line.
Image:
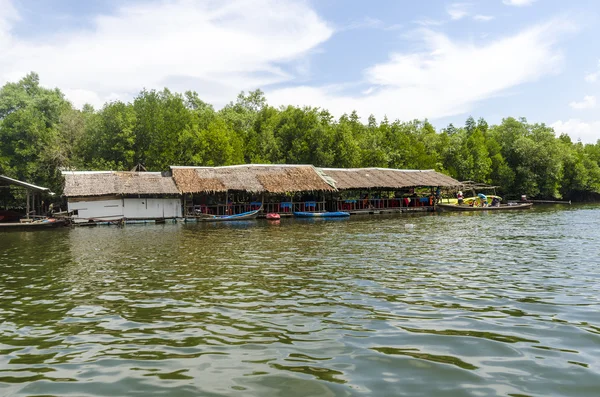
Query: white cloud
[[518, 3], [215, 47], [369, 23], [428, 22], [395, 26], [458, 10], [589, 102], [587, 132], [365, 23], [593, 77], [445, 78], [483, 18]]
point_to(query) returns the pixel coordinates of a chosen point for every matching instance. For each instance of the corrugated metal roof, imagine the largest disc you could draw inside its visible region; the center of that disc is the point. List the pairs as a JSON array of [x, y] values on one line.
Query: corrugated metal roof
[[11, 181]]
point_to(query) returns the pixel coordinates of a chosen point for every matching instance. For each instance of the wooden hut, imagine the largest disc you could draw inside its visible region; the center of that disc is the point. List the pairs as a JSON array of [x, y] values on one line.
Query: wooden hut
[[112, 195], [235, 189], [33, 197], [380, 189]]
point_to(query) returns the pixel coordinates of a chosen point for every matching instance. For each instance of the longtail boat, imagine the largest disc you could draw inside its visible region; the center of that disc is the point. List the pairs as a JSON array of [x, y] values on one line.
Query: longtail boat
[[244, 216], [336, 214], [468, 208], [41, 224]]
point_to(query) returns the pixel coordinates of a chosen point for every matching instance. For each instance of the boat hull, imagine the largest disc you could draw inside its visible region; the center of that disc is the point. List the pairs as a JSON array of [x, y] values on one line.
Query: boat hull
[[9, 216], [229, 218], [468, 208], [37, 225], [337, 214]]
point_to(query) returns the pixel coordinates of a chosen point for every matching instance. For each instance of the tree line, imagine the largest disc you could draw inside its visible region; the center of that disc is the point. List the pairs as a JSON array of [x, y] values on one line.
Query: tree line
[[42, 133]]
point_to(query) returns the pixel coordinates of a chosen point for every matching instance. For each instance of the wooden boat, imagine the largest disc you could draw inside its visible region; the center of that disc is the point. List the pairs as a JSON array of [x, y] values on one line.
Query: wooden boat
[[41, 224], [244, 216], [468, 208], [272, 216], [336, 214], [9, 216], [477, 199], [470, 200]]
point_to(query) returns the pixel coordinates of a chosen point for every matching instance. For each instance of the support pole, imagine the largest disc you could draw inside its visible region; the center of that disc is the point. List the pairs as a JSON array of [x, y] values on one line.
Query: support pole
[[27, 214]]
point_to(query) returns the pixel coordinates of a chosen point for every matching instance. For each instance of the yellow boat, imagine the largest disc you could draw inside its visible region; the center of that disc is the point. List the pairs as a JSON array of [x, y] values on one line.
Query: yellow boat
[[469, 200], [478, 201]]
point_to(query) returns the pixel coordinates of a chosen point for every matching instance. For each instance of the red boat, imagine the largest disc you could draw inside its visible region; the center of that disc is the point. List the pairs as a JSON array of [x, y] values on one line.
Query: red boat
[[272, 216]]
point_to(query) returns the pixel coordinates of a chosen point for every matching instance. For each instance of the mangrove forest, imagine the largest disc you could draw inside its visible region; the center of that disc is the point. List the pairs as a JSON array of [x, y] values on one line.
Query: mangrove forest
[[42, 133]]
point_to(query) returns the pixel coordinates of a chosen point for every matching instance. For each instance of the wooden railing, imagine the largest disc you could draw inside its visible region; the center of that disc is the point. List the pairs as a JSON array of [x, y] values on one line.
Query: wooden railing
[[379, 203], [238, 208]]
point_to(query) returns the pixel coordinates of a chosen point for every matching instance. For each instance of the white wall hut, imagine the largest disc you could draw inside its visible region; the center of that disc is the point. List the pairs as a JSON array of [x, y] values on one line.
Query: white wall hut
[[113, 195]]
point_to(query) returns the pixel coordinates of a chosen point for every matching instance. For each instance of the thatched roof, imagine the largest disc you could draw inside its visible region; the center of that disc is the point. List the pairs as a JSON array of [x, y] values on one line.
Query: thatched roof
[[255, 178], [386, 178], [103, 183]]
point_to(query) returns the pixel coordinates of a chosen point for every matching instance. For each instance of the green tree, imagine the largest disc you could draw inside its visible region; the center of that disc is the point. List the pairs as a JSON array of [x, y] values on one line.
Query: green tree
[[30, 117]]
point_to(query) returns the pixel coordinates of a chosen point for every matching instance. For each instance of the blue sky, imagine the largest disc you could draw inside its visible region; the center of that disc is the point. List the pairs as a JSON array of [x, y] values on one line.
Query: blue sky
[[440, 60]]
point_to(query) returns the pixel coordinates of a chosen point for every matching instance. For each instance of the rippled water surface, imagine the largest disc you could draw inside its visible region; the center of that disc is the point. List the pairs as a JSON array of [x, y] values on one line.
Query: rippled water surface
[[436, 305]]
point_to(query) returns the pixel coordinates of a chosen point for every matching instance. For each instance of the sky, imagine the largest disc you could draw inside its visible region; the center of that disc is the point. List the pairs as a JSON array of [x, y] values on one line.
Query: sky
[[439, 60]]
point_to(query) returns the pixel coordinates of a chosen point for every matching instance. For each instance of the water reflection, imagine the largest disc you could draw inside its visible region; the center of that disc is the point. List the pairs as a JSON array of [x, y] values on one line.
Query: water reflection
[[459, 304]]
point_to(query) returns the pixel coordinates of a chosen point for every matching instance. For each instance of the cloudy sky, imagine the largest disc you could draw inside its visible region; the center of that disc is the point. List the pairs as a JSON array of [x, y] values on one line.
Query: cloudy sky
[[440, 60]]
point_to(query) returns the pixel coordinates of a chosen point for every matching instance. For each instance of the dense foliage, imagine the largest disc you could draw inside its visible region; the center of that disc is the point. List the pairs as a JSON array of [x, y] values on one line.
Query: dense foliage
[[41, 133]]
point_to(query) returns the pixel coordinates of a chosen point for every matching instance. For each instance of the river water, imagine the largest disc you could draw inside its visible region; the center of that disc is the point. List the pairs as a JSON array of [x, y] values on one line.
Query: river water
[[486, 304]]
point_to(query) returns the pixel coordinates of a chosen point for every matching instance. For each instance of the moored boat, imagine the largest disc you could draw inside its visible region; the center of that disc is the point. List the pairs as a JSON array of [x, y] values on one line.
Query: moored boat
[[273, 216], [480, 198], [41, 224], [336, 214], [468, 208], [9, 216], [244, 216]]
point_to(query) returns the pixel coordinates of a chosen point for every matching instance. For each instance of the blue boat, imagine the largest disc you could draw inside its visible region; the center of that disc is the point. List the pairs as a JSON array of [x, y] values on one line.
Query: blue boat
[[237, 217], [337, 214]]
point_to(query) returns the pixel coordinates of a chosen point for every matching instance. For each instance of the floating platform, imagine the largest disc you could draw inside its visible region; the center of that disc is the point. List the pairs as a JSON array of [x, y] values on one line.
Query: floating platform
[[542, 202], [383, 211]]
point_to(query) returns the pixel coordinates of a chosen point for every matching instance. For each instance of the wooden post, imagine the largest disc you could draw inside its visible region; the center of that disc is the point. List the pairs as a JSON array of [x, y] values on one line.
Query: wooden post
[[27, 204]]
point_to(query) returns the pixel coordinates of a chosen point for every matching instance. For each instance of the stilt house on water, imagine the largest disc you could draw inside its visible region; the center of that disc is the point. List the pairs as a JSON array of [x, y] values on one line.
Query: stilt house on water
[[33, 205], [112, 196], [284, 189], [365, 190], [235, 189]]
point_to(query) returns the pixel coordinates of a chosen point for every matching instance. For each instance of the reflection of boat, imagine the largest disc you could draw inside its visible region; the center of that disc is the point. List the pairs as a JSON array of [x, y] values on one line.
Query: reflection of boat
[[41, 224], [337, 214], [272, 216], [237, 217], [501, 207]]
